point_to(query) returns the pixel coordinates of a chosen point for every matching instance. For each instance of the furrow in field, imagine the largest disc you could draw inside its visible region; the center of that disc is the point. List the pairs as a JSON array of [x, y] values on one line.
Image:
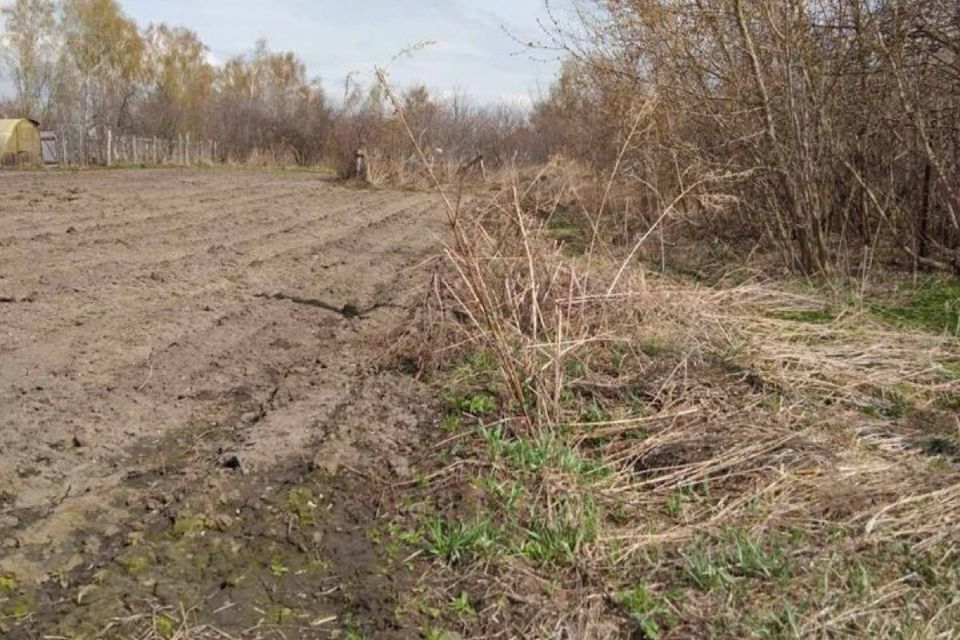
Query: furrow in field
[[122, 342]]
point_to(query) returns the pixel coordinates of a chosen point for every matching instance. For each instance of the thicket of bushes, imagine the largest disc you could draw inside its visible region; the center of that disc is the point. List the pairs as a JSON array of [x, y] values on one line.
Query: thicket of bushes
[[823, 128]]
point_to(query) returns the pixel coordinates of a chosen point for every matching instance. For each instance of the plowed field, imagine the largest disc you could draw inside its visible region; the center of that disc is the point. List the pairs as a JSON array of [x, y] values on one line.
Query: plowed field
[[166, 333]]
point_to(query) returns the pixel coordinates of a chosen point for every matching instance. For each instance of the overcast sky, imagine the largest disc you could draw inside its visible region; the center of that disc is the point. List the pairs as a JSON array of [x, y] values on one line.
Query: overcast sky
[[336, 37]]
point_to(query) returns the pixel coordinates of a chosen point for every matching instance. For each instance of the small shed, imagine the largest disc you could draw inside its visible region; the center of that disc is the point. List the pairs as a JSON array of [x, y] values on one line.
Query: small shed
[[20, 142]]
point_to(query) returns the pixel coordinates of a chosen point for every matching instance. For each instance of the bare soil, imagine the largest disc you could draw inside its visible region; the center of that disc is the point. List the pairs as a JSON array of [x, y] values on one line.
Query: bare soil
[[191, 428]]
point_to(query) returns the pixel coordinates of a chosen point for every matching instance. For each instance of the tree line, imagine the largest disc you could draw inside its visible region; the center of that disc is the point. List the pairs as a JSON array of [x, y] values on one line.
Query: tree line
[[84, 67]]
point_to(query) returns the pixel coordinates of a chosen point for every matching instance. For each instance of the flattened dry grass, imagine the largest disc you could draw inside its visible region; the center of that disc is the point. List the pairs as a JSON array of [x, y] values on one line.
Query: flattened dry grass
[[654, 459]]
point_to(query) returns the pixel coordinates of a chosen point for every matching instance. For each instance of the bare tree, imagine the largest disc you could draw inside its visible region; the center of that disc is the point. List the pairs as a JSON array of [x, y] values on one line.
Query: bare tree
[[30, 52]]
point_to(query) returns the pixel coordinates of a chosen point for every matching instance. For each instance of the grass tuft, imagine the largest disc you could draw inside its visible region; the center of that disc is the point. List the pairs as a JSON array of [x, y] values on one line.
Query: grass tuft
[[933, 306]]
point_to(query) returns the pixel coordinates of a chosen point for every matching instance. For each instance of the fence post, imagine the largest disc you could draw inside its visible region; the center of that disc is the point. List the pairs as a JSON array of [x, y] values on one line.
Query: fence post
[[187, 156], [65, 159], [109, 147], [362, 168]]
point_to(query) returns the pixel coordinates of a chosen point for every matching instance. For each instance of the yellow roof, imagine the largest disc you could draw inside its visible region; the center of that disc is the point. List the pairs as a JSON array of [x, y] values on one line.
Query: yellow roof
[[7, 126]]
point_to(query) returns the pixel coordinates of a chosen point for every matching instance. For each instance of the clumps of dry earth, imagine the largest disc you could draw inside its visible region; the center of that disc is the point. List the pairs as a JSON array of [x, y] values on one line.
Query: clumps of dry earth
[[292, 551]]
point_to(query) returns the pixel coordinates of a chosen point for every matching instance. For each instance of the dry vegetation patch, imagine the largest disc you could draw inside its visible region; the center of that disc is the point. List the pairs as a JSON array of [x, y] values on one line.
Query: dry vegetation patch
[[629, 454]]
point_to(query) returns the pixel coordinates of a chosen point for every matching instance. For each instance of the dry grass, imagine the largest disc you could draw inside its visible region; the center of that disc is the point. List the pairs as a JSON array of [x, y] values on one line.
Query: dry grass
[[676, 422], [161, 624]]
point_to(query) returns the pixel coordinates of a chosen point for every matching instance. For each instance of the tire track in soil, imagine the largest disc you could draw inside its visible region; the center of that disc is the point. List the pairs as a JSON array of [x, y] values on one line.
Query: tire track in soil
[[123, 422]]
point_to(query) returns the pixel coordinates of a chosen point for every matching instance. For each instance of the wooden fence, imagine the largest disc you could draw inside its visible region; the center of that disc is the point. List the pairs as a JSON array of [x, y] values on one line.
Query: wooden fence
[[121, 149]]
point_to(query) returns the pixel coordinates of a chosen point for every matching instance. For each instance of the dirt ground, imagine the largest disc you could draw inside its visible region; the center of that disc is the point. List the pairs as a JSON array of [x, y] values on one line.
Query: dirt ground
[[188, 402]]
